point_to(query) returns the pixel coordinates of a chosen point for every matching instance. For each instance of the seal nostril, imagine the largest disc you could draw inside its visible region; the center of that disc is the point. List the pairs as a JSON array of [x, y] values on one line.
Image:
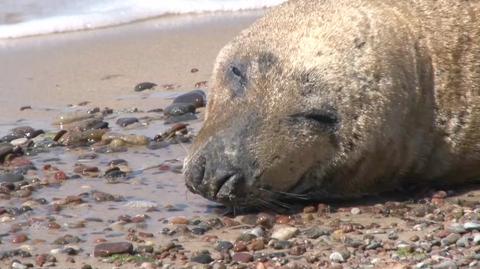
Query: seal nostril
[[229, 188]]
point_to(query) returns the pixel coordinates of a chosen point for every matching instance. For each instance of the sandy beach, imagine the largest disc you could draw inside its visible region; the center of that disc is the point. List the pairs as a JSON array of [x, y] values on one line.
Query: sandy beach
[[102, 66], [91, 176]]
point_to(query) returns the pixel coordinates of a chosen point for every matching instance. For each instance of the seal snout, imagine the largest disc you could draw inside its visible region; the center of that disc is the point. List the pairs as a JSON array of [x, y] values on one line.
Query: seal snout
[[215, 181]]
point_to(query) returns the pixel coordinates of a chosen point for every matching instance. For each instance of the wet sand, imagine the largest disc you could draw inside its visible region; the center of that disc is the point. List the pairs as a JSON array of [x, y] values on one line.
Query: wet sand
[[61, 199]]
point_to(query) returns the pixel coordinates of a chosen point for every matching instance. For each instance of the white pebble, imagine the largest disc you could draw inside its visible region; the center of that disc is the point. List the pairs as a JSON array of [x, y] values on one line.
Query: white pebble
[[336, 257], [284, 233], [19, 141], [355, 211]]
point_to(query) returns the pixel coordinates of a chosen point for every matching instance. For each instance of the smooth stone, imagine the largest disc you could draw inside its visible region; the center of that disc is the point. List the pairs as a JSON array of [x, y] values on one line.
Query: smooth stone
[[19, 141], [336, 257], [476, 239], [144, 86], [242, 257], [469, 226], [284, 233], [108, 249], [180, 118], [67, 239], [223, 246], [315, 232], [456, 228], [195, 97], [282, 244], [445, 265], [10, 178], [5, 149], [450, 239], [124, 122], [178, 109], [463, 242], [72, 117], [203, 258], [17, 265], [257, 231]]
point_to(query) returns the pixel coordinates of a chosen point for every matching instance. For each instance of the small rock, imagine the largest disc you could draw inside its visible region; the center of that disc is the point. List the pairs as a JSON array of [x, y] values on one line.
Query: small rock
[[108, 249], [223, 246], [124, 122], [448, 264], [19, 238], [450, 239], [144, 86], [203, 258], [284, 233], [336, 257], [242, 257], [469, 226], [355, 211]]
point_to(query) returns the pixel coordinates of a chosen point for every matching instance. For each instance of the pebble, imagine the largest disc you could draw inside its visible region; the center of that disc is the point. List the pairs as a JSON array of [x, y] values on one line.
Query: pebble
[[108, 249], [223, 246], [355, 211], [72, 117], [18, 265], [202, 257], [469, 226], [448, 264], [11, 178], [19, 141], [450, 239], [284, 233], [242, 257], [336, 257], [124, 122], [177, 109], [196, 97], [19, 238], [144, 86]]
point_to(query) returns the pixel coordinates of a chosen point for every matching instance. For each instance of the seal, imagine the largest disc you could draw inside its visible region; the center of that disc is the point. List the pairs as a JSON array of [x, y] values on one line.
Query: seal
[[323, 99]]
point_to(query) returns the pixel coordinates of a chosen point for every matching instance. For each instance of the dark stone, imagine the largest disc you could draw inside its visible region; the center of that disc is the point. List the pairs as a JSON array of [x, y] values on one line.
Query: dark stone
[[114, 172], [11, 178], [70, 251], [5, 149], [315, 232], [223, 246], [242, 257], [144, 86], [282, 244], [203, 258], [116, 162], [198, 230], [67, 239], [124, 122], [178, 109], [180, 118], [108, 249], [196, 97]]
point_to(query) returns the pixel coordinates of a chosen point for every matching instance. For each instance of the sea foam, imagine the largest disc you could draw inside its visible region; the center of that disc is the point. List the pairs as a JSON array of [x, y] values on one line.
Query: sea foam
[[19, 18]]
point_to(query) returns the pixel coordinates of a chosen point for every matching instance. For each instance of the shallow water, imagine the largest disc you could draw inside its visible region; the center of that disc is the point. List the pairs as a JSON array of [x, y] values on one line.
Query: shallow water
[[148, 185]]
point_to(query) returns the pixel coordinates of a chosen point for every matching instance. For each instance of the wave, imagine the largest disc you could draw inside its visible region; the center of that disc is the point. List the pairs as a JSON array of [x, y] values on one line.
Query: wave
[[20, 18]]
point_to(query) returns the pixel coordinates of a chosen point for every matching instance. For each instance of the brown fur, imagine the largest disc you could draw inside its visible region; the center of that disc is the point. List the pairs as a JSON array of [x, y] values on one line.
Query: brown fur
[[403, 75]]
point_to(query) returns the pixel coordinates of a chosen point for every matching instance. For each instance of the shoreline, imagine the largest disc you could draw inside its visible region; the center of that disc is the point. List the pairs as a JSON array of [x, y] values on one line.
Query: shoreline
[[102, 66]]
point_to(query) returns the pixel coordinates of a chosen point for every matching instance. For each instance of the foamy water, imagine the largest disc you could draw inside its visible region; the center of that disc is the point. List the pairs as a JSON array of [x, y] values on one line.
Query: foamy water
[[19, 18]]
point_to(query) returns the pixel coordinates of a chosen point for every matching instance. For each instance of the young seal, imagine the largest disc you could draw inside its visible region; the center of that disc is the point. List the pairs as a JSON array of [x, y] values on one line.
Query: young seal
[[341, 98]]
